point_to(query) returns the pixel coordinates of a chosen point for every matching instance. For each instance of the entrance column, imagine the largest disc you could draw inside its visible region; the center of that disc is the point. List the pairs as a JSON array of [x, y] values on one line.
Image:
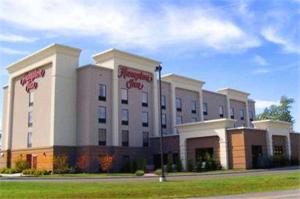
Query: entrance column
[[223, 151], [269, 143], [288, 146], [183, 152]]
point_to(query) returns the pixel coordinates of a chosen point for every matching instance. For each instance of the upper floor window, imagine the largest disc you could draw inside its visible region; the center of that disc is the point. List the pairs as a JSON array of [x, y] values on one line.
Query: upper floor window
[[232, 113], [251, 115], [145, 99], [205, 108], [221, 111], [29, 139], [163, 102], [194, 106], [125, 117], [242, 114], [102, 114], [164, 121], [124, 96], [30, 120], [101, 137], [178, 104], [145, 119], [31, 98], [178, 119], [145, 139], [125, 138], [102, 92]]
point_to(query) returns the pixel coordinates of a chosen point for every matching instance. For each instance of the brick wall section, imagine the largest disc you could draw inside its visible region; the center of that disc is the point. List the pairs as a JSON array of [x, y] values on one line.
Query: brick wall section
[[295, 146], [5, 159], [204, 142]]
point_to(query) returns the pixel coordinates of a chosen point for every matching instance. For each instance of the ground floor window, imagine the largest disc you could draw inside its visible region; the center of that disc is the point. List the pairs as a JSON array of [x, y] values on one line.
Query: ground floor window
[[278, 150], [257, 153], [204, 154]]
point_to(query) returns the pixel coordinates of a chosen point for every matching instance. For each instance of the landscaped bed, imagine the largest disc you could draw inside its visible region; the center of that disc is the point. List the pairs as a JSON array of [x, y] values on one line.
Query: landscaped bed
[[174, 189]]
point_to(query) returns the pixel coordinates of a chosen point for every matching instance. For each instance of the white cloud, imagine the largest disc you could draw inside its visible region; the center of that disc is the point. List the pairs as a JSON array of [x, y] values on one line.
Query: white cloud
[[279, 68], [262, 104], [123, 22], [10, 51], [261, 71], [15, 38], [260, 60], [272, 34]]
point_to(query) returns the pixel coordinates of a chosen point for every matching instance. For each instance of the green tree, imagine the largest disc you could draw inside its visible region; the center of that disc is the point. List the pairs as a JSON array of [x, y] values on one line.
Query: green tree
[[279, 112]]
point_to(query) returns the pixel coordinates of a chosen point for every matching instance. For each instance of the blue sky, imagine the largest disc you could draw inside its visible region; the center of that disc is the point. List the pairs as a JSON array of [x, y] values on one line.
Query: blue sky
[[248, 45]]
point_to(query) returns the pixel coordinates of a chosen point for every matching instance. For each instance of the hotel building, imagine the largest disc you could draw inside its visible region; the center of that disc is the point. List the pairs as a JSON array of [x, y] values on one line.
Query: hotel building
[[51, 107]]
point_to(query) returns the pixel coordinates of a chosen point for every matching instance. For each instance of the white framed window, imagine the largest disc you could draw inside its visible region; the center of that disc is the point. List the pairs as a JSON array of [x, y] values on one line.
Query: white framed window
[[145, 119], [124, 96], [205, 109], [232, 113], [29, 139], [102, 92], [221, 111], [102, 114], [125, 138], [242, 114], [164, 120], [30, 119], [194, 106], [178, 119], [101, 137], [125, 117], [163, 102], [145, 99], [178, 104], [251, 115]]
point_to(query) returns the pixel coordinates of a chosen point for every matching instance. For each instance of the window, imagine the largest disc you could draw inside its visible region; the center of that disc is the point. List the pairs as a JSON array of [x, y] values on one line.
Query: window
[[251, 115], [204, 108], [145, 119], [194, 119], [29, 119], [145, 139], [278, 150], [102, 92], [30, 98], [232, 113], [125, 117], [125, 138], [144, 99], [178, 119], [178, 104], [194, 106], [204, 154], [101, 137], [124, 96], [163, 102], [221, 111], [164, 121], [102, 114], [29, 139], [242, 114]]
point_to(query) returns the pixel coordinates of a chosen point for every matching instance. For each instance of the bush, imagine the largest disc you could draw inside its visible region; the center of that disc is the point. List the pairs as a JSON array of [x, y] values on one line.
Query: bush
[[60, 164], [190, 165], [8, 171], [106, 162], [279, 161], [169, 165], [139, 173], [35, 172], [158, 172], [178, 164], [21, 165]]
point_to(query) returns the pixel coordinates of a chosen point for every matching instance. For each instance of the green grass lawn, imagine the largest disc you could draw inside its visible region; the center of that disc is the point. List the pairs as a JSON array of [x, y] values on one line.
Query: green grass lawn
[[174, 189]]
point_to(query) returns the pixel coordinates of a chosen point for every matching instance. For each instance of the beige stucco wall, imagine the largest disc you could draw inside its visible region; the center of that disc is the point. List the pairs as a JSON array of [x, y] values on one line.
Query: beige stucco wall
[[214, 100], [4, 118], [238, 106], [40, 111]]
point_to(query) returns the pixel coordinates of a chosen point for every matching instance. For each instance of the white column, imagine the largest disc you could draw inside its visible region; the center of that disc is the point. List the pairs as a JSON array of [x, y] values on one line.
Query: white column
[[173, 107], [288, 146], [247, 114], [9, 116], [223, 151], [201, 105], [228, 107], [183, 152], [115, 109], [156, 112], [269, 143]]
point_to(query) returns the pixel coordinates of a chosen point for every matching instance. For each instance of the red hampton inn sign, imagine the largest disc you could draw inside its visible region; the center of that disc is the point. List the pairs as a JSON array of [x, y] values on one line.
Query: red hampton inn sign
[[134, 77], [28, 79]]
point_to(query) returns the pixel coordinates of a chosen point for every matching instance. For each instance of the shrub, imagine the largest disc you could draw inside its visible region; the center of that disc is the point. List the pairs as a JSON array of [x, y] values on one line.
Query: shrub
[[169, 165], [60, 164], [35, 172], [279, 161], [8, 170], [82, 162], [178, 164], [158, 172], [21, 165], [190, 165], [139, 173], [200, 166], [106, 162]]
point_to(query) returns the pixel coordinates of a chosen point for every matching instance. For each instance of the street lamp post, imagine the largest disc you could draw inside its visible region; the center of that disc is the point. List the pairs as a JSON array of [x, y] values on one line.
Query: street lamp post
[[162, 178]]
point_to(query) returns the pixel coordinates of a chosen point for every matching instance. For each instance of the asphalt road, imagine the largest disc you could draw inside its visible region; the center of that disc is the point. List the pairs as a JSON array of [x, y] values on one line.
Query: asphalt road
[[288, 194], [195, 176]]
